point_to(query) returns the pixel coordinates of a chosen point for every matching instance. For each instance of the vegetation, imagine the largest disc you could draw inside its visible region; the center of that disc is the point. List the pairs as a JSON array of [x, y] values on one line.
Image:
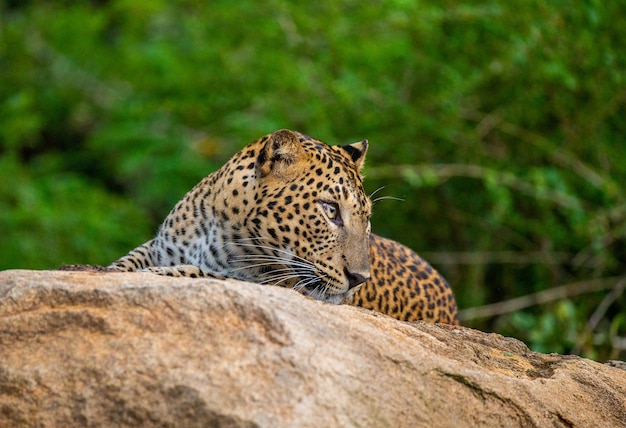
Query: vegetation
[[499, 123]]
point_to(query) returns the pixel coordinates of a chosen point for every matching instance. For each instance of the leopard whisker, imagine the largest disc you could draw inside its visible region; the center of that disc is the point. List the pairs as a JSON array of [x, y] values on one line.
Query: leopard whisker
[[277, 279], [272, 260], [291, 270], [272, 249], [316, 293], [296, 267], [371, 195], [382, 198], [276, 267], [304, 282], [286, 271], [256, 265], [260, 263]]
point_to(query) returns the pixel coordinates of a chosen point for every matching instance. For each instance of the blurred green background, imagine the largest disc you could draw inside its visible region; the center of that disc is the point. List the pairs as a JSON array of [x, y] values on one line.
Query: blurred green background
[[501, 125]]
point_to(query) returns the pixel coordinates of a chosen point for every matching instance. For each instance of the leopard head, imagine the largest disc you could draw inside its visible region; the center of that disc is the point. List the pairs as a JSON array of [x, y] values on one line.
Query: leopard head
[[305, 222]]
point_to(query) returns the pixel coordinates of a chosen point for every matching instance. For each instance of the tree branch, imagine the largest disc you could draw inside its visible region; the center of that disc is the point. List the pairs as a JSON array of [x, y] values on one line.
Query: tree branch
[[546, 296]]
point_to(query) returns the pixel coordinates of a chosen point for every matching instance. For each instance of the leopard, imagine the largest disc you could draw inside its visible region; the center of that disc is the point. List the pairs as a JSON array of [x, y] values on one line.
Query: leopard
[[290, 210]]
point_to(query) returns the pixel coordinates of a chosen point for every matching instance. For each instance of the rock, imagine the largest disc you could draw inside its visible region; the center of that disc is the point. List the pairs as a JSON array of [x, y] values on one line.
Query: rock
[[136, 349]]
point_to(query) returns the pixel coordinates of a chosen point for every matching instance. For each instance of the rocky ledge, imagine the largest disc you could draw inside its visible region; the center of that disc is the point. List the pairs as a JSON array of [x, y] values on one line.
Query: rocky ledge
[[113, 349]]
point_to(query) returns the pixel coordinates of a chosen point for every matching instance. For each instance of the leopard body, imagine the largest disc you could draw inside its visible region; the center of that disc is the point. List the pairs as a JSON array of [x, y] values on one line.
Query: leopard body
[[291, 211]]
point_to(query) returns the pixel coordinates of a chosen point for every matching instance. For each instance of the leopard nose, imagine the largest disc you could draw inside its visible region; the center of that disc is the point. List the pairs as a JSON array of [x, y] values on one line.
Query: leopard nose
[[355, 278]]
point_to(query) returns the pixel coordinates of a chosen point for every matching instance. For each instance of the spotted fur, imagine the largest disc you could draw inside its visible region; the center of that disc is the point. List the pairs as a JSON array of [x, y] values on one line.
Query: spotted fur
[[404, 286], [290, 210]]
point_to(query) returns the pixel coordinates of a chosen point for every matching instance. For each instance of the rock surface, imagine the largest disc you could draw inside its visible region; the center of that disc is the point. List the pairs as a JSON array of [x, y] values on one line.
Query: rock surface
[[112, 349]]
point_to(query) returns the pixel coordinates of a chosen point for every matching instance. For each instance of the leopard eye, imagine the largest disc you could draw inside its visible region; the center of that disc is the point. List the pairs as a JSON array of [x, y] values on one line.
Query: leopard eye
[[332, 212]]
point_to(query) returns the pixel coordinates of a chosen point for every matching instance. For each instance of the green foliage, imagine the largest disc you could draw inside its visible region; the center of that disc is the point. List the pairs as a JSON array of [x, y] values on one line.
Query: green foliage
[[499, 123], [50, 218]]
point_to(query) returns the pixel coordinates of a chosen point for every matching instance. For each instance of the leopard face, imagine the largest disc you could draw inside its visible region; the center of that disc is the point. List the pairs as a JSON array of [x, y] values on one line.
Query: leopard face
[[306, 224]]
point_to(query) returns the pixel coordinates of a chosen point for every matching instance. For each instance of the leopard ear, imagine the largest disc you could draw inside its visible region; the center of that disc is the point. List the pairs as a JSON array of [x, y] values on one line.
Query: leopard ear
[[281, 150], [357, 152]]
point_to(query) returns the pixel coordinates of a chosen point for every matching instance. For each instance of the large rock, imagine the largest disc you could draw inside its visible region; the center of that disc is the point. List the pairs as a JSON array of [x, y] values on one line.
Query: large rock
[[109, 349]]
